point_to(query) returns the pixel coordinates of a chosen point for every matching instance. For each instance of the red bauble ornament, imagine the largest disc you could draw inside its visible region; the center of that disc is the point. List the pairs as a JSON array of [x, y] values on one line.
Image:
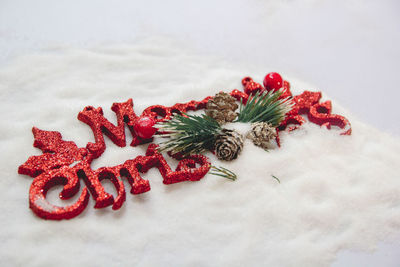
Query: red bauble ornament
[[273, 81], [64, 163], [144, 127]]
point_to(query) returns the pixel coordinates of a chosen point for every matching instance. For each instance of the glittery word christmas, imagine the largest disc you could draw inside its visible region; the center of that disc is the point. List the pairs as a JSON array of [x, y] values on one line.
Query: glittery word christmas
[[64, 163]]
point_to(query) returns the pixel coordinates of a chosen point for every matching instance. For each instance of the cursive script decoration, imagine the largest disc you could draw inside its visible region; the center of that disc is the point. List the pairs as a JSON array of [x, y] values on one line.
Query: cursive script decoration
[[63, 163]]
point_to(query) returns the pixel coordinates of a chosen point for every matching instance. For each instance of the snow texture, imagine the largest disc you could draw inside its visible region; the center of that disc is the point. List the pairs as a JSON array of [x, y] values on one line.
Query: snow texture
[[336, 192]]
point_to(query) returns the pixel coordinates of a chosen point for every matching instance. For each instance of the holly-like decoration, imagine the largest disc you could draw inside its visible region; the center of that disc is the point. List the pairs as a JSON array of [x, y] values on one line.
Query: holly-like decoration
[[273, 81], [195, 134], [64, 163], [144, 127]]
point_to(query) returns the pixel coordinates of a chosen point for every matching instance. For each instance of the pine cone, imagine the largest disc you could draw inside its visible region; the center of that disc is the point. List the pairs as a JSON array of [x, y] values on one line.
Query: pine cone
[[261, 134], [228, 144], [222, 108]]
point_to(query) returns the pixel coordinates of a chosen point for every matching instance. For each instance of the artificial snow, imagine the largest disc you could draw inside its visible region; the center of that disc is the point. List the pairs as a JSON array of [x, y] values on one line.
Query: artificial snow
[[335, 192], [241, 127]]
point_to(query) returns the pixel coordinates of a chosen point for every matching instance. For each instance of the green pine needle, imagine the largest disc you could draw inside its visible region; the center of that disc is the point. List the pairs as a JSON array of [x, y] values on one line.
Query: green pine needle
[[265, 107], [188, 134], [223, 172], [276, 178]]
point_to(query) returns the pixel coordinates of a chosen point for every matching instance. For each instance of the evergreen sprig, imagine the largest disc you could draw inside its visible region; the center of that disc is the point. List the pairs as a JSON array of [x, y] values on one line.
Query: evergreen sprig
[[265, 107], [189, 134], [223, 172]]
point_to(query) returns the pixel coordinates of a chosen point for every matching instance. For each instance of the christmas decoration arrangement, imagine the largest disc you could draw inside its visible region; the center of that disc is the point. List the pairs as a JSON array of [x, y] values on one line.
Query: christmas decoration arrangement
[[262, 110], [195, 134]]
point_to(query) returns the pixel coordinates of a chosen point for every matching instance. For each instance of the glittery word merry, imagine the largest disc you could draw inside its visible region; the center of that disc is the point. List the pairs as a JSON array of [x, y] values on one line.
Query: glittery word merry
[[63, 163]]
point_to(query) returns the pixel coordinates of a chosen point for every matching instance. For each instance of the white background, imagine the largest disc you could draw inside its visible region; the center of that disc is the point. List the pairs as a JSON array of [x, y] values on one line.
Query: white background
[[348, 49]]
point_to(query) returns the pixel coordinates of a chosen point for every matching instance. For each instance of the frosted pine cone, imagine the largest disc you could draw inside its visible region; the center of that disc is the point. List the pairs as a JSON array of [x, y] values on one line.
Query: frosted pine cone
[[222, 108], [261, 134], [228, 145]]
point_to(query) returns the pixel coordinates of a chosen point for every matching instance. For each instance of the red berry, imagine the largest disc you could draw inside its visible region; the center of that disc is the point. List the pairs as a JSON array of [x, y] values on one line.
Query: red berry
[[144, 127], [273, 81]]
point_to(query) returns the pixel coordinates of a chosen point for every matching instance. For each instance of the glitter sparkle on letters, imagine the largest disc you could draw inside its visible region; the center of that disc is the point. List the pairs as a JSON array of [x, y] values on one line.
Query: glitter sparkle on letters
[[63, 163]]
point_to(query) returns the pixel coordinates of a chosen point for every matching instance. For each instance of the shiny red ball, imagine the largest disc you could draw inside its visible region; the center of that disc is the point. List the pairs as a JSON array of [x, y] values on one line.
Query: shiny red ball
[[144, 127], [273, 81]]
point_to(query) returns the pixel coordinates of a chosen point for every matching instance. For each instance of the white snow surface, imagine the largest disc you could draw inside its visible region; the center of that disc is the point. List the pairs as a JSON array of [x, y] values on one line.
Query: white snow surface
[[336, 192], [240, 127]]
